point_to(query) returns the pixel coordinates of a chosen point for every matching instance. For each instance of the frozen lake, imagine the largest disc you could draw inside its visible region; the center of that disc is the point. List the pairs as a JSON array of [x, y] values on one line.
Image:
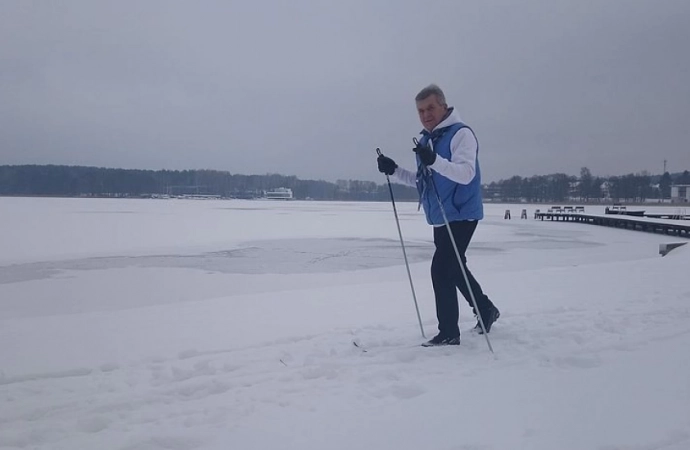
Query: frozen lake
[[181, 324]]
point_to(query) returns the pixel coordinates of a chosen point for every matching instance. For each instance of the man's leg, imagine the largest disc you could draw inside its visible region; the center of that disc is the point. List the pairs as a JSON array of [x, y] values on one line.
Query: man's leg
[[463, 232], [443, 280]]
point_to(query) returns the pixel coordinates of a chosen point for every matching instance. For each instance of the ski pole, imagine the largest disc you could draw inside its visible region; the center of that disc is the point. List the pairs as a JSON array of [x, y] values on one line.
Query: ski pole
[[402, 244], [457, 254]]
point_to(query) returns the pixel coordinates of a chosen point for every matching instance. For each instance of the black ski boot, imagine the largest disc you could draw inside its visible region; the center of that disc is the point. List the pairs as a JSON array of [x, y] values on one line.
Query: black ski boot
[[439, 340], [490, 316]]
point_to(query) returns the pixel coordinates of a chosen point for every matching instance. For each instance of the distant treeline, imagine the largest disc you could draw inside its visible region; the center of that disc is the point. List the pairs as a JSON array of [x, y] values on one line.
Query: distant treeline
[[585, 188], [78, 181]]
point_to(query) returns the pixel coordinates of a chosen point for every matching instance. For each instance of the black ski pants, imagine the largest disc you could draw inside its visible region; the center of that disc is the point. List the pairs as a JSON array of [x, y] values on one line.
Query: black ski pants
[[447, 278]]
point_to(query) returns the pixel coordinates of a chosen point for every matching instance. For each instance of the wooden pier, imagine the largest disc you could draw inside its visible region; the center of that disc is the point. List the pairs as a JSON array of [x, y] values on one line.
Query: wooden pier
[[650, 225]]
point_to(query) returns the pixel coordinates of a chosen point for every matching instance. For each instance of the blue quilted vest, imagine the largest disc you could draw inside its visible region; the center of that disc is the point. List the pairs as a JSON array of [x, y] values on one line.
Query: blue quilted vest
[[460, 202]]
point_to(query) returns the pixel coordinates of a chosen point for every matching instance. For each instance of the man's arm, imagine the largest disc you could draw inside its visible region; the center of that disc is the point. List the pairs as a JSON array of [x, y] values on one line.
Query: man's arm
[[463, 158], [405, 176]]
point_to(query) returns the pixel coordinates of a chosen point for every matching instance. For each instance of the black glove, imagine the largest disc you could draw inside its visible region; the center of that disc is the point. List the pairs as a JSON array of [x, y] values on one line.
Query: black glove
[[386, 165], [426, 155]]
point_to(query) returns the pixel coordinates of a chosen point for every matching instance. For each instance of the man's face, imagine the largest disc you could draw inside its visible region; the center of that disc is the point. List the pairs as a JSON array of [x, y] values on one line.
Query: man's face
[[431, 112]]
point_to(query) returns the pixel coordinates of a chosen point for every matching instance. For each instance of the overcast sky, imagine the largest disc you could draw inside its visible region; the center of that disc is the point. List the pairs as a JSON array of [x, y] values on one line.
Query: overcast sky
[[311, 88]]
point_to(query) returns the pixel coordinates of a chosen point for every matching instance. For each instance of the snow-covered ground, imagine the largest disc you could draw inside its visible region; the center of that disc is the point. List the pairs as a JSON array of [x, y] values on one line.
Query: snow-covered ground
[[170, 324]]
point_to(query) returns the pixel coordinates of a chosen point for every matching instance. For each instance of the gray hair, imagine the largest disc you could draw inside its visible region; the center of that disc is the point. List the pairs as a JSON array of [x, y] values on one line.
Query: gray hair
[[430, 90]]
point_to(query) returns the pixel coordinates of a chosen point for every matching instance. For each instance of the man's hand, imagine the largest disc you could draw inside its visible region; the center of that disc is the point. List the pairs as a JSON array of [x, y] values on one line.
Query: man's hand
[[426, 155], [386, 165]]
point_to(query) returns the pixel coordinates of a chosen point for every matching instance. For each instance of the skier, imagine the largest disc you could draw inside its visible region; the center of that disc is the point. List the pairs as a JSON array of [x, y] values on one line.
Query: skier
[[447, 165]]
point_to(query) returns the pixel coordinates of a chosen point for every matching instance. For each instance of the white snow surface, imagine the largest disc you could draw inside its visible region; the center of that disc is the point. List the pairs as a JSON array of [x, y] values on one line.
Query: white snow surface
[[182, 325]]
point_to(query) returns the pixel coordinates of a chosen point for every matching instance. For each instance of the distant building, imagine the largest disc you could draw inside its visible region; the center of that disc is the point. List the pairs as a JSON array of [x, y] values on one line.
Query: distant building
[[280, 193], [680, 193], [605, 190], [199, 197], [491, 192]]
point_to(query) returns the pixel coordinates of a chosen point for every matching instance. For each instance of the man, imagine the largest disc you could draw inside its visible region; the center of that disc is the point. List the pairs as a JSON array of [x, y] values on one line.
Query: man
[[447, 169]]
